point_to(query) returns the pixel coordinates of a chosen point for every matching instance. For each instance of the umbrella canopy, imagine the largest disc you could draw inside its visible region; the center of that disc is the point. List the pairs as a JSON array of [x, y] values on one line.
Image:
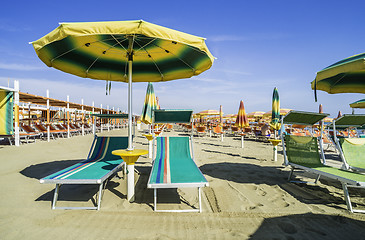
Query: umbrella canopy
[[275, 113], [107, 50], [241, 120], [358, 104], [255, 114], [209, 112], [150, 104], [345, 76], [283, 111]]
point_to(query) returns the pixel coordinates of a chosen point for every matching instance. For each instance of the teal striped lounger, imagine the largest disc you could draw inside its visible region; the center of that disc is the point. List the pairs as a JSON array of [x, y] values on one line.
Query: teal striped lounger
[[99, 166], [174, 167]]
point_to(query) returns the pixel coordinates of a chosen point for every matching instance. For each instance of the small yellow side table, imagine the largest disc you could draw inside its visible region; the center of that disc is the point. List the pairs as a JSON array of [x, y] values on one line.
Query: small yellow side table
[[275, 143], [130, 157]]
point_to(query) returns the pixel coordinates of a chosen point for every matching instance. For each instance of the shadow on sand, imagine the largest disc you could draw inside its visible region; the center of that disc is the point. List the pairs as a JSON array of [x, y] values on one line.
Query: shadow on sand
[[271, 175], [310, 226]]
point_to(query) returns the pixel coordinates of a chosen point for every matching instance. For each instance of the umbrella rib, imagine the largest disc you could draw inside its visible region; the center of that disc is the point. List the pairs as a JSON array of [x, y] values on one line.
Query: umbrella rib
[[177, 57], [154, 62]]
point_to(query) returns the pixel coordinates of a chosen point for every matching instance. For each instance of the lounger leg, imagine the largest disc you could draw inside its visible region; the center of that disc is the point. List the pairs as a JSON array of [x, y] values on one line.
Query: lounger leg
[[291, 173], [200, 199], [317, 179], [347, 197], [155, 199], [55, 196], [100, 195]]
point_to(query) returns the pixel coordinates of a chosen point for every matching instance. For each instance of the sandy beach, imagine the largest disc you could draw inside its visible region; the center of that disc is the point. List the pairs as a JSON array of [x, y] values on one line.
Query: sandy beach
[[249, 197]]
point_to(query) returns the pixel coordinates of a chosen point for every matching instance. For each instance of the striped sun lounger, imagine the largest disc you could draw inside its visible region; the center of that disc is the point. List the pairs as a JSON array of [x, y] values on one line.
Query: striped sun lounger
[[174, 167], [99, 166]]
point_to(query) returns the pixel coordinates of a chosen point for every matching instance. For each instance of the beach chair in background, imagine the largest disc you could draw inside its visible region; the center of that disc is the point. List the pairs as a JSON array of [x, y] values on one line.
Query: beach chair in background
[[351, 149], [41, 128], [99, 166], [302, 152], [173, 165], [30, 132]]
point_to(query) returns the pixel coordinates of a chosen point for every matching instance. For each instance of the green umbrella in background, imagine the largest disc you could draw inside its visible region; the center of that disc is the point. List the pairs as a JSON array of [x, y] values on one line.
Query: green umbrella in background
[[358, 104], [345, 76], [150, 104], [124, 51], [275, 112], [275, 121]]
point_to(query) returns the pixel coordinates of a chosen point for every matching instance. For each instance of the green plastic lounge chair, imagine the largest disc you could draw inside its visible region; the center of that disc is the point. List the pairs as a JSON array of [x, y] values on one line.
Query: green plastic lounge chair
[[173, 165], [99, 166], [302, 152], [352, 150]]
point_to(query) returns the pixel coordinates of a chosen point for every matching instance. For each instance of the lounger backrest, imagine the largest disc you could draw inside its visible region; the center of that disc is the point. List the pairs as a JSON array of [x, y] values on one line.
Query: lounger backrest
[[105, 145], [302, 150], [174, 162], [354, 151]]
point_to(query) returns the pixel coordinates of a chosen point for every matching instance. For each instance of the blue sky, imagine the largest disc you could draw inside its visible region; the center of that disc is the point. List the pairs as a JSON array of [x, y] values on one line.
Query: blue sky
[[259, 45]]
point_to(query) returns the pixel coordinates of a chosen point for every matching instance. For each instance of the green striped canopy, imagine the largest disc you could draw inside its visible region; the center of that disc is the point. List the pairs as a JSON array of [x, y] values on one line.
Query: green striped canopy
[[275, 113], [150, 104], [345, 76], [358, 104], [100, 50], [6, 112]]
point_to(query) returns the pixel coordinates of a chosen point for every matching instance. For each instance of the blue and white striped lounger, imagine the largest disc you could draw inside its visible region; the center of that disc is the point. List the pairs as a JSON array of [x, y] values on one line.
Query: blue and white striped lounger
[[174, 167], [98, 167]]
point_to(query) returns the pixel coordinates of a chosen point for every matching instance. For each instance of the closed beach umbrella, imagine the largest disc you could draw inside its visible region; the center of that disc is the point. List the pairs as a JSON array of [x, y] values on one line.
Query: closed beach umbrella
[[242, 120], [124, 51], [345, 76], [150, 104], [275, 112]]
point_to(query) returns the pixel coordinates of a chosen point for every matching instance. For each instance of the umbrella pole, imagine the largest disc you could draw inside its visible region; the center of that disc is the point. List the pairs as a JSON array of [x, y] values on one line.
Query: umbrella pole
[[130, 142], [275, 149]]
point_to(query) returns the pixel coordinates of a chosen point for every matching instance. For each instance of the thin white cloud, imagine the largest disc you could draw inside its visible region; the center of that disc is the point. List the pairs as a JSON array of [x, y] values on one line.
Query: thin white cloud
[[19, 67], [224, 38]]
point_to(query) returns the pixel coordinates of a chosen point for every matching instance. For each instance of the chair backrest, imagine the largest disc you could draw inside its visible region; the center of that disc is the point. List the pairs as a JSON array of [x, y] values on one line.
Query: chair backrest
[[104, 146], [28, 128], [302, 150], [217, 129], [40, 127], [354, 151], [173, 162]]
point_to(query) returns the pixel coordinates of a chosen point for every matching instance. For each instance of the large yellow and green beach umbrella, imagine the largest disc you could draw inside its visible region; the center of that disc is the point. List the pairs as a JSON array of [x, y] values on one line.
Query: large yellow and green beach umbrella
[[150, 104], [275, 112], [124, 51], [345, 76]]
